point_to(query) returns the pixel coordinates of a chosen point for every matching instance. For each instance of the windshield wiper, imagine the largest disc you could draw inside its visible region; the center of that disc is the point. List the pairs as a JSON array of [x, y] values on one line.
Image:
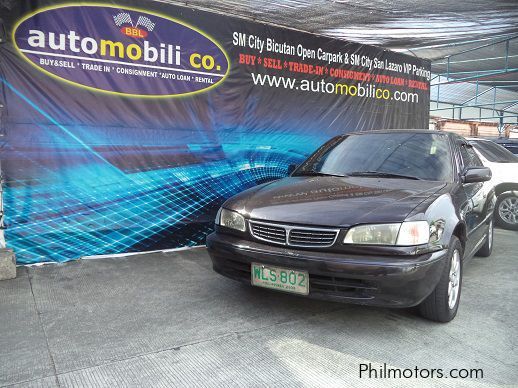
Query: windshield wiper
[[316, 173], [381, 174]]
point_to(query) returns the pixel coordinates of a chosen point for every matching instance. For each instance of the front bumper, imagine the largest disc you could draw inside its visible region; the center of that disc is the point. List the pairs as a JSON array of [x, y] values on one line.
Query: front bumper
[[371, 280]]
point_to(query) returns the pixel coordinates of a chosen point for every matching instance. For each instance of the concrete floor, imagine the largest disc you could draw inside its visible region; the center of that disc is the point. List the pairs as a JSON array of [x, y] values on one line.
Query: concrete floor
[[163, 320]]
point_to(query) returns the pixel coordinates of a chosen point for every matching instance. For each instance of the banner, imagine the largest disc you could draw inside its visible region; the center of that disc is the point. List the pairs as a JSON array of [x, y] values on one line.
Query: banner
[[127, 124]]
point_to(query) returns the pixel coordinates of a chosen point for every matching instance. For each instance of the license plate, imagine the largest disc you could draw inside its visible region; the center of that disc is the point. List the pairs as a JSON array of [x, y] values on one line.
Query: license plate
[[281, 279]]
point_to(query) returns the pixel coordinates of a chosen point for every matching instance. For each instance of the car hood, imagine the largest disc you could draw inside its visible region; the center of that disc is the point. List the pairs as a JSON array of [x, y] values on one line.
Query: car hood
[[333, 201]]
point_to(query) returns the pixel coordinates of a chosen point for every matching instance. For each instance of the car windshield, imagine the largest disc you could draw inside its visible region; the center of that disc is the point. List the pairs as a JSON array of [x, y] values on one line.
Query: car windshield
[[494, 153], [388, 155]]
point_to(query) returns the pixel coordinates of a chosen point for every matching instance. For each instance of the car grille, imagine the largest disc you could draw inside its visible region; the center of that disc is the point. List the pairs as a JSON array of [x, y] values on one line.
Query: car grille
[[311, 237], [270, 233], [293, 235]]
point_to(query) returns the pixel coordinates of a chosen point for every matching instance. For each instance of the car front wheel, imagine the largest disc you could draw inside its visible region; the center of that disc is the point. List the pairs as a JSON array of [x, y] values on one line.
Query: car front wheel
[[442, 304], [506, 211]]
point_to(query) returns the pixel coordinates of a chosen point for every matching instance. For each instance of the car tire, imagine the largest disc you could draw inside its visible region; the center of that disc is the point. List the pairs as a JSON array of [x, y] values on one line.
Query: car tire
[[506, 211], [487, 248], [442, 305]]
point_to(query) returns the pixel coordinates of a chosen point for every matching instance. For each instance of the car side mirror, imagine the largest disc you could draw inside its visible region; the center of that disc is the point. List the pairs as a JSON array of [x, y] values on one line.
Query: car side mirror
[[477, 174], [291, 168]]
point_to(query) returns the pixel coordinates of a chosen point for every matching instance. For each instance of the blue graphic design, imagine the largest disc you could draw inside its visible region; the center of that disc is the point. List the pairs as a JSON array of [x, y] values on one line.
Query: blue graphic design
[[97, 208]]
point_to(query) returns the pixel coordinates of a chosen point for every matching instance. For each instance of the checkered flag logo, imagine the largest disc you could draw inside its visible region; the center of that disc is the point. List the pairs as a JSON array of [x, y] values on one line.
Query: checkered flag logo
[[123, 18], [144, 21]]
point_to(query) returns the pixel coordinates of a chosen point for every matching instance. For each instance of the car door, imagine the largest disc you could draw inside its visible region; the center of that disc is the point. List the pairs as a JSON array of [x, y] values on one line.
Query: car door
[[476, 210]]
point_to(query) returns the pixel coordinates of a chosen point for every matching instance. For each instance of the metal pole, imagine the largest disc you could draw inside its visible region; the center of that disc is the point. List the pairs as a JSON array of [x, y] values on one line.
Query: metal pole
[[483, 46], [476, 93], [486, 104], [490, 117], [480, 74], [494, 102]]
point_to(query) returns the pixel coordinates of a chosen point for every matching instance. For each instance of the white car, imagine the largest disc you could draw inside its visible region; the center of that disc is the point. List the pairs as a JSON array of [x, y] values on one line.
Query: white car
[[504, 166]]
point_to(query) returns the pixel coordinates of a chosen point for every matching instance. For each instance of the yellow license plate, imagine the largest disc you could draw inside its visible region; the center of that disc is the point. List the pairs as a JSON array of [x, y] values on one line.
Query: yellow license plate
[[281, 279]]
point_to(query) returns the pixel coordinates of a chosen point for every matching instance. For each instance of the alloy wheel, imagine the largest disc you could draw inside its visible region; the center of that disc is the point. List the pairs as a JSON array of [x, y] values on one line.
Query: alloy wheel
[[508, 210], [454, 280]]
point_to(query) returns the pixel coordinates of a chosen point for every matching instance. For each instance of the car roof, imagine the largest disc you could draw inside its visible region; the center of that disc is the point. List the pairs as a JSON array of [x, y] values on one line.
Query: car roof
[[478, 139], [509, 144], [500, 140], [425, 131]]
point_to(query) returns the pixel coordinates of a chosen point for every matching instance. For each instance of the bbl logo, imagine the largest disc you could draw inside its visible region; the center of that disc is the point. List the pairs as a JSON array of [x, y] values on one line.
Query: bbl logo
[[121, 50], [124, 19]]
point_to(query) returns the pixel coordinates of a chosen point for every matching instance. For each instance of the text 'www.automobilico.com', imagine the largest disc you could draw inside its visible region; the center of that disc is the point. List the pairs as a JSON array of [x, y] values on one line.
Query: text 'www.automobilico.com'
[[380, 372], [358, 89]]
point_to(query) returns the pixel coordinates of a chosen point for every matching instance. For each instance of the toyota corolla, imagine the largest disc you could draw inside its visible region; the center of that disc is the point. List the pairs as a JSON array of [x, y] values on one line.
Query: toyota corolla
[[384, 218]]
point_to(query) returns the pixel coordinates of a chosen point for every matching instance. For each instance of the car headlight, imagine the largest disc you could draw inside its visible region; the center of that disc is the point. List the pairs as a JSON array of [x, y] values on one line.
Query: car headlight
[[413, 233], [231, 219], [400, 234]]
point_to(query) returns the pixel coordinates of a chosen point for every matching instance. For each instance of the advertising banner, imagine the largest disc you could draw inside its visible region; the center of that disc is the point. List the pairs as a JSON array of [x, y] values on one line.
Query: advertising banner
[[126, 124]]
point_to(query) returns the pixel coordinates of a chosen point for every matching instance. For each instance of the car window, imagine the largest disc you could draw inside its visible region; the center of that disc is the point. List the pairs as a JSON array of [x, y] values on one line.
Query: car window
[[420, 155], [494, 152], [513, 148], [469, 157]]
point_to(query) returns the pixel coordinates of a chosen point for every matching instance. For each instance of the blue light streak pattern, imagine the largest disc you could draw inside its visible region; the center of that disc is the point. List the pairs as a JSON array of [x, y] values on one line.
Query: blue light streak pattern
[[165, 208], [146, 210], [88, 205]]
